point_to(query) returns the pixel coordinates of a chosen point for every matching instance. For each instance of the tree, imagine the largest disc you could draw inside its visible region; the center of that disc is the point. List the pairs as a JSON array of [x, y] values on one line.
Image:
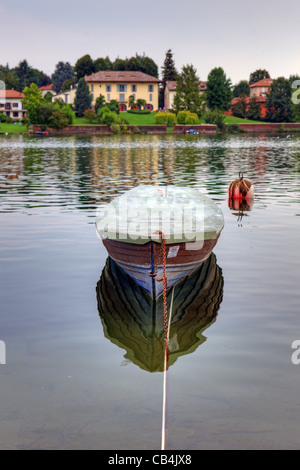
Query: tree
[[63, 71], [83, 98], [242, 88], [218, 93], [253, 111], [119, 64], [279, 103], [187, 94], [258, 75], [100, 102], [33, 98], [9, 77], [169, 71], [131, 102], [84, 66], [239, 108], [102, 64]]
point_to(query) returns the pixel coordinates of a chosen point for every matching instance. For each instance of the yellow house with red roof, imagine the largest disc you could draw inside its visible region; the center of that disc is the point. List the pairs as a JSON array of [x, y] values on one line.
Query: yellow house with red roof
[[120, 85]]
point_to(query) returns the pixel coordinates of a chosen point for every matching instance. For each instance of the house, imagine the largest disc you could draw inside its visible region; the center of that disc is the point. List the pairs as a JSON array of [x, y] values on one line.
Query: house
[[67, 96], [170, 91], [259, 90], [47, 89], [11, 104], [120, 85]]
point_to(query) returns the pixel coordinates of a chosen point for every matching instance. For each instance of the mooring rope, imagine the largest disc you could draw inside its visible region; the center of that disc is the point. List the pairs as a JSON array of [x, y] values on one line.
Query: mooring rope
[[167, 324]]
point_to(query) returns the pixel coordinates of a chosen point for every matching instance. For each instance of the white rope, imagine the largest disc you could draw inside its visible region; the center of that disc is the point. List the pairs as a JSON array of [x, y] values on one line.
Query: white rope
[[164, 407]]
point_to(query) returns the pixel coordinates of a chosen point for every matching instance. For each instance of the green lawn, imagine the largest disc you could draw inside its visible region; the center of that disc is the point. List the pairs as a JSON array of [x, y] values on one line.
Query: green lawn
[[12, 128], [236, 120]]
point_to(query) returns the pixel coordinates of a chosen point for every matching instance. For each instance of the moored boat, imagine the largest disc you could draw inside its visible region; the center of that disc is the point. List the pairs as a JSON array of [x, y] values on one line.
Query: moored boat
[[152, 231]]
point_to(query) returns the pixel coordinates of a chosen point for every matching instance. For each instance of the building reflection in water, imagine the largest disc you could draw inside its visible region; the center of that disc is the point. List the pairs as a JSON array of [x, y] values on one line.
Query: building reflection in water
[[134, 322]]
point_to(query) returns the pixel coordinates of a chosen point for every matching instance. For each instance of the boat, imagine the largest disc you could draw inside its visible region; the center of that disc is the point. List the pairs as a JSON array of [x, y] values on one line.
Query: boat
[[159, 232], [133, 320]]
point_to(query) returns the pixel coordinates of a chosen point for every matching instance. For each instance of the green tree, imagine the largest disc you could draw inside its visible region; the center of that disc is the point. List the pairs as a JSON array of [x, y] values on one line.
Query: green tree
[[242, 88], [187, 94], [9, 77], [102, 64], [119, 64], [169, 71], [219, 90], [239, 108], [32, 100], [99, 103], [84, 66], [279, 103], [131, 102], [258, 75], [63, 71], [83, 98], [253, 111]]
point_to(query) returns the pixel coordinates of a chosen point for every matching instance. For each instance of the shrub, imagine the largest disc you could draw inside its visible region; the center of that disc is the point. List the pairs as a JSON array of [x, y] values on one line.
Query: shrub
[[139, 111], [90, 115], [58, 120], [108, 117], [181, 116], [165, 118], [216, 117], [2, 117], [233, 128], [191, 118]]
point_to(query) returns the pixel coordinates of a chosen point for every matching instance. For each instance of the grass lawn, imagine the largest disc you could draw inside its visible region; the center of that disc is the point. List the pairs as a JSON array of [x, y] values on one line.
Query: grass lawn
[[236, 120], [12, 128]]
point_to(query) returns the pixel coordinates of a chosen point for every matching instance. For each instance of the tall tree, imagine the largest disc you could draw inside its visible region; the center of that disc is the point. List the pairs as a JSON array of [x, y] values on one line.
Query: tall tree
[[188, 94], [279, 103], [102, 64], [63, 71], [169, 71], [219, 90], [32, 100], [83, 98], [258, 75], [84, 66], [242, 88]]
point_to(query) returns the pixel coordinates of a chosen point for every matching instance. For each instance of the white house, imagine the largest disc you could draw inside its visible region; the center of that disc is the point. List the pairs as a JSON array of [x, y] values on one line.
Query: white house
[[11, 104]]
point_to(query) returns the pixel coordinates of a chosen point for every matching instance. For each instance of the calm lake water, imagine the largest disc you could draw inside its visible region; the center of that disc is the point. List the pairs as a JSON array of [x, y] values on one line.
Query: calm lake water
[[72, 380]]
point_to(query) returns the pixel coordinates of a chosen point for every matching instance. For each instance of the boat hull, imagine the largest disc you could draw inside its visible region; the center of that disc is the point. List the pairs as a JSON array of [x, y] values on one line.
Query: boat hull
[[144, 262]]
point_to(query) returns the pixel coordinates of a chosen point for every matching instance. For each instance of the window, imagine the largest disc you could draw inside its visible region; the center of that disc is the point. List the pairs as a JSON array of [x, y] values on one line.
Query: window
[[66, 98], [150, 97], [92, 88], [1, 105], [108, 88], [121, 87], [15, 114], [122, 97], [133, 88], [150, 88], [92, 95], [108, 97], [15, 105]]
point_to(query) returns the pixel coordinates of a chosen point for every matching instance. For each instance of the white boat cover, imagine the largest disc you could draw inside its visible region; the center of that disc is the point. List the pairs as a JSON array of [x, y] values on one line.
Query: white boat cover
[[144, 213]]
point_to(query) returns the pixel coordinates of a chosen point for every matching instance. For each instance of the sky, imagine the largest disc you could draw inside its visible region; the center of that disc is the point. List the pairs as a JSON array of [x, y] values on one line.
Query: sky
[[240, 36]]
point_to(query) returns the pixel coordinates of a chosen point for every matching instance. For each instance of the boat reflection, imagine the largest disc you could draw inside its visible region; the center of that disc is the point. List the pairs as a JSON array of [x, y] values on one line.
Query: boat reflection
[[134, 321]]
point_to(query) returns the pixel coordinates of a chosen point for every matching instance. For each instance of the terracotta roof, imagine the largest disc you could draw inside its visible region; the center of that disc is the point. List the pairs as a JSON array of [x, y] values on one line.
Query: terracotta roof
[[46, 87], [11, 94], [263, 82], [172, 84], [121, 76]]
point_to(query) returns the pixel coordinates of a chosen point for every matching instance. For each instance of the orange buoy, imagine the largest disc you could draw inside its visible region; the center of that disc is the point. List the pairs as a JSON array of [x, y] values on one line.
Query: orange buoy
[[241, 189]]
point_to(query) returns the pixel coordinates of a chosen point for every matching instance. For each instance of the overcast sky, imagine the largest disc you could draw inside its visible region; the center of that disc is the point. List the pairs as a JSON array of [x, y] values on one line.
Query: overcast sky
[[238, 35]]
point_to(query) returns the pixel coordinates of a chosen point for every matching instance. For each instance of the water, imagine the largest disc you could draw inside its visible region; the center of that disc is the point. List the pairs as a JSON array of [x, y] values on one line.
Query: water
[[68, 382]]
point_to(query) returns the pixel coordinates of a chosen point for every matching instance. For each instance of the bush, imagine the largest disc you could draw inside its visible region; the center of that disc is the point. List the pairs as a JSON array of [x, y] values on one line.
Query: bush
[[58, 120], [181, 116], [165, 118], [216, 117], [108, 117], [139, 111], [2, 117], [191, 118], [90, 115], [233, 128]]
